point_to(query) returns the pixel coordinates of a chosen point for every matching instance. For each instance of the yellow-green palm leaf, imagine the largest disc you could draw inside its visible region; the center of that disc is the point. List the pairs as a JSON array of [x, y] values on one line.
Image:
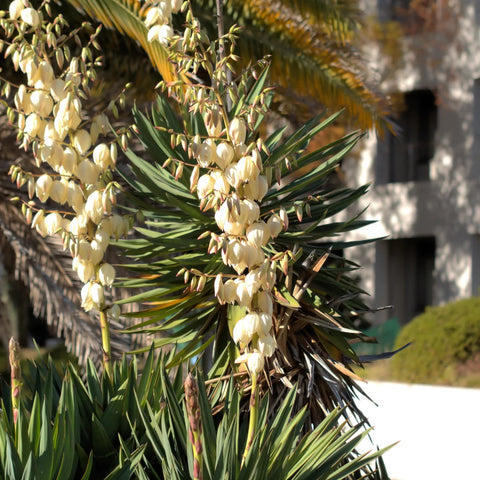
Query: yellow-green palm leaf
[[126, 16]]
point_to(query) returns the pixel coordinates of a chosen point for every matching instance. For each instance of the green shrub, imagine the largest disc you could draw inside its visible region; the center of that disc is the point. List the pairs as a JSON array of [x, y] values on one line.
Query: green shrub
[[441, 339]]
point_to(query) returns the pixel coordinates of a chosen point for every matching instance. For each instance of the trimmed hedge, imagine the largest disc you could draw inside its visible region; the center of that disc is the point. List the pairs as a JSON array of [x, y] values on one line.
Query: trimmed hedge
[[441, 339]]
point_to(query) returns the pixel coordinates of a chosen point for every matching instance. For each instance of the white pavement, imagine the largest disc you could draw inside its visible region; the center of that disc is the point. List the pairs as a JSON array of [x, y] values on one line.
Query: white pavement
[[438, 429]]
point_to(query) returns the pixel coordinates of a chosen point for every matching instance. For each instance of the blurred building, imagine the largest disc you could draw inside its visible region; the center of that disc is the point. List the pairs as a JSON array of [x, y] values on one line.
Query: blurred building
[[425, 181]]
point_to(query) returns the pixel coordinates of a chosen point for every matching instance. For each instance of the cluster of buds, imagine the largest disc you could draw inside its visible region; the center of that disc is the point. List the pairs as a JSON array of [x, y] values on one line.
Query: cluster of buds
[[234, 186], [48, 114], [158, 19]]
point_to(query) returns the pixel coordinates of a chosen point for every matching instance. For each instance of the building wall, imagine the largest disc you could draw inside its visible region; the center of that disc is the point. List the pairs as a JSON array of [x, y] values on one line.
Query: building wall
[[446, 207]]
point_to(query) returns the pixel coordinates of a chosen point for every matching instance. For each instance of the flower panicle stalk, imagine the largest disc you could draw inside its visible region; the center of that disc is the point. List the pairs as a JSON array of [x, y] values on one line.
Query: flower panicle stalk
[[16, 376], [106, 345], [253, 421], [195, 425]]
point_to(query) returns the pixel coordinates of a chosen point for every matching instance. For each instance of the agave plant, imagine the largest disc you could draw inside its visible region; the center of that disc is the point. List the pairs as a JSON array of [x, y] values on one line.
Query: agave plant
[[137, 426]]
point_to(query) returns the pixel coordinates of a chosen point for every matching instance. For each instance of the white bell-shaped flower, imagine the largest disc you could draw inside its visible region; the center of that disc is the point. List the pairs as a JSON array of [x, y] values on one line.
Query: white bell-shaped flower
[[15, 9], [57, 89], [85, 270], [275, 225], [267, 345], [97, 296], [255, 363], [94, 206], [53, 222], [106, 274], [43, 187], [42, 102], [87, 172], [237, 131], [225, 155], [30, 16], [82, 141], [59, 191], [258, 234], [242, 294], [240, 333], [101, 156], [264, 301]]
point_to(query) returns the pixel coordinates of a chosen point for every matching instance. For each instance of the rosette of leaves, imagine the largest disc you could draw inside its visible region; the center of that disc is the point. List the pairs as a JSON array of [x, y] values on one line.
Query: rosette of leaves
[[317, 308], [135, 426]]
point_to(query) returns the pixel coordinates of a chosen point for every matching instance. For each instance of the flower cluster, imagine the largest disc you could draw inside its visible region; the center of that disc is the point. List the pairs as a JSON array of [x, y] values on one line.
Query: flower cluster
[[49, 116], [234, 186], [158, 19]]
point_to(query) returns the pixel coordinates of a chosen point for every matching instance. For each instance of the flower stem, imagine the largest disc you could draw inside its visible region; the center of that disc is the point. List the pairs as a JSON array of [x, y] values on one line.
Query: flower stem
[[16, 376], [195, 421], [106, 346], [252, 424]]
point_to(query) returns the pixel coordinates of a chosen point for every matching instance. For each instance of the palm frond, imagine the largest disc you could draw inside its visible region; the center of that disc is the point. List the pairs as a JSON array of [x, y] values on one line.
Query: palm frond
[[126, 16]]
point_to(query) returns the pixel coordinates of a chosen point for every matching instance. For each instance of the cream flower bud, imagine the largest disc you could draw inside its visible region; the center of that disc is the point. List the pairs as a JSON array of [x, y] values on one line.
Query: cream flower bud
[[57, 89], [42, 102], [85, 270], [82, 141], [114, 312], [258, 234], [53, 222], [255, 363], [59, 191], [101, 156], [205, 185], [43, 187], [283, 217], [87, 172], [264, 302], [97, 296], [106, 274], [15, 9], [237, 131], [275, 225], [31, 17], [267, 345], [225, 155], [118, 226]]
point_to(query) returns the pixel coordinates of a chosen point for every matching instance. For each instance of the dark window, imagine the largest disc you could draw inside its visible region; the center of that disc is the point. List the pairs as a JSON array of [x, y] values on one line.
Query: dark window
[[406, 156], [410, 266]]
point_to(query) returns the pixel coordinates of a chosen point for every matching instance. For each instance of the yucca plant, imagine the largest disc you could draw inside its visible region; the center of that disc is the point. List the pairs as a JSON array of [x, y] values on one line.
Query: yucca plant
[[315, 303]]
